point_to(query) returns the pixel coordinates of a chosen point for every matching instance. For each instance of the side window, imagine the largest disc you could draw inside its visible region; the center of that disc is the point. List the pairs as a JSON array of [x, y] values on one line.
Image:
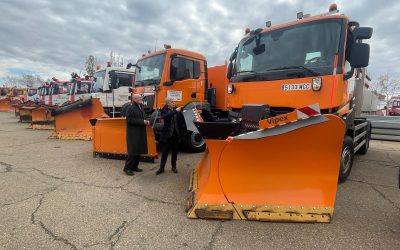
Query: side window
[[182, 68]]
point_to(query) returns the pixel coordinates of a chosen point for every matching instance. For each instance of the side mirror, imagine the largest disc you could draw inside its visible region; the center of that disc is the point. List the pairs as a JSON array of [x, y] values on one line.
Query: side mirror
[[113, 80], [359, 55], [94, 79], [129, 65], [362, 32], [259, 49], [385, 107], [229, 70]]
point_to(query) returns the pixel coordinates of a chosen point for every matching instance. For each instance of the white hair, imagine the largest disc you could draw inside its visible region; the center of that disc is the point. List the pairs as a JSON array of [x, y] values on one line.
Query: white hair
[[168, 100]]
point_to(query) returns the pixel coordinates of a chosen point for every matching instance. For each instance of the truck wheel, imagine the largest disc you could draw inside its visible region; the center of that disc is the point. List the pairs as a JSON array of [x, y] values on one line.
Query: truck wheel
[[364, 149], [346, 159], [194, 142]]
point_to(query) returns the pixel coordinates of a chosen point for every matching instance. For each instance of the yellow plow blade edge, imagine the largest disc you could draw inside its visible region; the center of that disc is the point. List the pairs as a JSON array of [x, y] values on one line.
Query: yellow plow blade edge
[[109, 138], [285, 173]]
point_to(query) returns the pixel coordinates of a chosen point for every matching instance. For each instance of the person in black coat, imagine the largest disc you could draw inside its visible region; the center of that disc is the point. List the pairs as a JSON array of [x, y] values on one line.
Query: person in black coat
[[171, 134], [135, 134]]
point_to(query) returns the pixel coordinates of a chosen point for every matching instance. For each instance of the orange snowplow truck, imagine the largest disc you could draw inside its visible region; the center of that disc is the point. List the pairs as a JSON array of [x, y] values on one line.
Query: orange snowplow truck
[[12, 97], [181, 75], [293, 130]]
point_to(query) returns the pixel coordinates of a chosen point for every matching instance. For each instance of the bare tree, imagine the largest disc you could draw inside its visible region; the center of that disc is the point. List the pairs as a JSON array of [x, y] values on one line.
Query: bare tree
[[24, 80], [386, 85], [90, 65], [116, 60]]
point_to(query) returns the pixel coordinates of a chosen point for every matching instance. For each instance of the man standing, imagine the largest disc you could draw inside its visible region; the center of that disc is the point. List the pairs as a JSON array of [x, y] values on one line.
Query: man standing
[[171, 134], [135, 134]]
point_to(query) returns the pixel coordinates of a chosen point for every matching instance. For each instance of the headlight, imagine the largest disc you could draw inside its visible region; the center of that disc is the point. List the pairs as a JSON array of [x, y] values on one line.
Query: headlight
[[316, 84], [231, 88]]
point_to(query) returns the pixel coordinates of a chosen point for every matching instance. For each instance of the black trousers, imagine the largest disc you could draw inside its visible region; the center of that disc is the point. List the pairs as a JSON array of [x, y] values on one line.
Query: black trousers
[[171, 145], [132, 162]]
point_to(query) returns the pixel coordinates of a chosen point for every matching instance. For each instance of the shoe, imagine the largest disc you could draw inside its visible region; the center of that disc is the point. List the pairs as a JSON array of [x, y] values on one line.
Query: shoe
[[138, 170], [129, 172], [160, 171], [174, 170]]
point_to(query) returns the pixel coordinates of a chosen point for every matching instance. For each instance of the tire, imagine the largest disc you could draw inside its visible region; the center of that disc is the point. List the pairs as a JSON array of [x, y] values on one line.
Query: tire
[[364, 149], [346, 159], [194, 143]]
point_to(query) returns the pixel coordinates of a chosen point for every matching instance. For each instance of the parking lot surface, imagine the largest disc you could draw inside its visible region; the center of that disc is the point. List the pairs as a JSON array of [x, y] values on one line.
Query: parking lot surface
[[55, 195]]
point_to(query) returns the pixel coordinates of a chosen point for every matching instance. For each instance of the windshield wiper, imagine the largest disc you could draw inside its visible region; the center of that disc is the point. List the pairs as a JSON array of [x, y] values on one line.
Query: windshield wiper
[[152, 81], [247, 71], [313, 72]]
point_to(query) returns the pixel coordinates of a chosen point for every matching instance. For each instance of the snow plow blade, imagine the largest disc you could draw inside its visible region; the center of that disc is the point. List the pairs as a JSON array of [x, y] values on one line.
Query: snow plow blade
[[42, 119], [5, 105], [286, 173], [109, 139], [72, 121]]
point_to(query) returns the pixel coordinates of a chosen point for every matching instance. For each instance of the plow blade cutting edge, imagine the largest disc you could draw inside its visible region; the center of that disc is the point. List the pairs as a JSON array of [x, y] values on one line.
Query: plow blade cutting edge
[[72, 121], [109, 138], [285, 173]]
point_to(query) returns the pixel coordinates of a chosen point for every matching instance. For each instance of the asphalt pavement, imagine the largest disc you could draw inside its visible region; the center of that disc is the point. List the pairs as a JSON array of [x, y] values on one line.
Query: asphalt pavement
[[55, 195]]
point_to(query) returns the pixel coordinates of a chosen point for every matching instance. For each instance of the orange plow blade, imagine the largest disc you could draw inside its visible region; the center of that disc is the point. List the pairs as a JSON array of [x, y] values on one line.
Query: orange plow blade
[[25, 113], [5, 105], [109, 138], [72, 121], [284, 173], [42, 119]]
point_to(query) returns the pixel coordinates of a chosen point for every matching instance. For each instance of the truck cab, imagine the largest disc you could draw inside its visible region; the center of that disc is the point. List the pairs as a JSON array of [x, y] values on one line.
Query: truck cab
[[81, 88], [113, 97], [56, 93], [177, 74], [394, 107]]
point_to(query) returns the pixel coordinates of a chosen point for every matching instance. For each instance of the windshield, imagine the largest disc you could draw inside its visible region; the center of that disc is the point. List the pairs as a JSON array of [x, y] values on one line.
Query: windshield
[[396, 104], [18, 92], [83, 87], [308, 47], [150, 70], [32, 92], [99, 79], [124, 78]]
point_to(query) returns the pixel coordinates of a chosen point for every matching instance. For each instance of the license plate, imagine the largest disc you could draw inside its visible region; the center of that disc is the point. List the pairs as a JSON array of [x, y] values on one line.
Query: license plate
[[293, 87]]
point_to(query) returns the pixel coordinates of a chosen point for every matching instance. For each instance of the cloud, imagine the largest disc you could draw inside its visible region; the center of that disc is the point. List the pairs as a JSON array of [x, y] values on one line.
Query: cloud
[[53, 38]]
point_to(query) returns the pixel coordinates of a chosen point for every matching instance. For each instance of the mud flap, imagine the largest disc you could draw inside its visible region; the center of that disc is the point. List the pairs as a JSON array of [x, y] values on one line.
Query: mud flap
[[284, 173], [72, 121], [109, 139]]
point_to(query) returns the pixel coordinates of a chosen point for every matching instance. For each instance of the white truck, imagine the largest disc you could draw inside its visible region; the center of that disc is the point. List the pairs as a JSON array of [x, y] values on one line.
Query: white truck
[[113, 99]]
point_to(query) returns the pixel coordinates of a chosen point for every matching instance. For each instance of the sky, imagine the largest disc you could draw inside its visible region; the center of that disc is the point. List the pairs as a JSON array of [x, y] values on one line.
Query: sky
[[53, 38]]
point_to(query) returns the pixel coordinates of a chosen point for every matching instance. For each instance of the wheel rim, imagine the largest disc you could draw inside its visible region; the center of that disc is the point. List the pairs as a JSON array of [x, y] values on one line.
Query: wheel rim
[[196, 140], [345, 160]]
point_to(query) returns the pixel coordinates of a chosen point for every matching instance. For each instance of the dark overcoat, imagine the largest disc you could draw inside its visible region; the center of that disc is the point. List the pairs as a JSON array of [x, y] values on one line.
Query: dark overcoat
[[172, 116], [135, 130]]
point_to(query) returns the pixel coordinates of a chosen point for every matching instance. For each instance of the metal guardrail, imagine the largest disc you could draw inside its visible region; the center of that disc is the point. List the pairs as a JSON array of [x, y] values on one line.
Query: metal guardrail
[[385, 128]]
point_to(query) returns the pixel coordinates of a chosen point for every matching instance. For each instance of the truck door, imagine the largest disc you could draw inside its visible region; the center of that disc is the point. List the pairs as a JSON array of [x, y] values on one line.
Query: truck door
[[187, 83]]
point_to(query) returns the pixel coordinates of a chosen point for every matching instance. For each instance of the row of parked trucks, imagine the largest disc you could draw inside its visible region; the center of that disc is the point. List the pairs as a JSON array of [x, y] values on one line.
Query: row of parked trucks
[[279, 123]]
